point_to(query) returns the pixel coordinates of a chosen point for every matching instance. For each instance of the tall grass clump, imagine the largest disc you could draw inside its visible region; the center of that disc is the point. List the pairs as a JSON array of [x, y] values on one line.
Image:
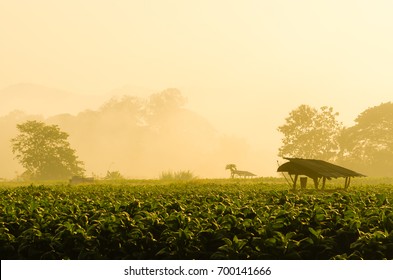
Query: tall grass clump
[[113, 175], [183, 175]]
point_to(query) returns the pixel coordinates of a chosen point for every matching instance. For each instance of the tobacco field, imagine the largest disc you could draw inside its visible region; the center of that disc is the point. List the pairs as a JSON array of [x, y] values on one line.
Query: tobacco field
[[201, 219]]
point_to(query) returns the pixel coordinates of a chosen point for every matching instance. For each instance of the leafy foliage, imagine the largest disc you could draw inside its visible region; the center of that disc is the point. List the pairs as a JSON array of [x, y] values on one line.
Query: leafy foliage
[[43, 150], [368, 145], [311, 133], [198, 220]]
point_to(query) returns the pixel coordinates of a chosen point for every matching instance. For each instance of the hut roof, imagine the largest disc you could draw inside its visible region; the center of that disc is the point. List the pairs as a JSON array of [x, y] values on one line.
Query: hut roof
[[315, 168], [245, 173]]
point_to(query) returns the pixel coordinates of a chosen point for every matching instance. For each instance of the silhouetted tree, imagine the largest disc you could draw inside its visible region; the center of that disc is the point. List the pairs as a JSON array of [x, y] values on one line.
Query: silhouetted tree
[[232, 167], [9, 168], [167, 101], [368, 145], [127, 108], [43, 150], [311, 133]]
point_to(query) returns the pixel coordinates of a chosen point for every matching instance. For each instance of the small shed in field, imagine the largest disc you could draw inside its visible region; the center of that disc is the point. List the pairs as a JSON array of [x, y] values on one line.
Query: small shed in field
[[316, 170]]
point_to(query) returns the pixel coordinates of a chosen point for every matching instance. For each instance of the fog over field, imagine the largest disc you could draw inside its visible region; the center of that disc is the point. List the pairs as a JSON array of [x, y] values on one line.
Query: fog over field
[[235, 71]]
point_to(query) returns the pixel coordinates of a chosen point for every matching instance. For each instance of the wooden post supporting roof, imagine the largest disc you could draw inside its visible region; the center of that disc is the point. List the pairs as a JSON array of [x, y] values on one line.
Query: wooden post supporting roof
[[294, 181], [316, 182], [347, 182]]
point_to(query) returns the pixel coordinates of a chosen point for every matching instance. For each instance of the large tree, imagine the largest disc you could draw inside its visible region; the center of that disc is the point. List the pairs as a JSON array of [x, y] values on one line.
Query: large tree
[[368, 145], [311, 133], [45, 153]]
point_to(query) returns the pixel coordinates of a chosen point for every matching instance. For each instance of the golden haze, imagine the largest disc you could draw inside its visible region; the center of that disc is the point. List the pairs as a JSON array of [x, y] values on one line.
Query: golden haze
[[242, 65]]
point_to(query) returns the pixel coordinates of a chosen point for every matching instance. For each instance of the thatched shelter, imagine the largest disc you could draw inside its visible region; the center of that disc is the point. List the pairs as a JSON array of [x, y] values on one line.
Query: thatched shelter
[[316, 170]]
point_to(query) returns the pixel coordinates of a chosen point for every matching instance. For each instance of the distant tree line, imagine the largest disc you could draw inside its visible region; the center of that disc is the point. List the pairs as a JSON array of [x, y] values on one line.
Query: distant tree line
[[367, 146], [149, 135], [138, 137]]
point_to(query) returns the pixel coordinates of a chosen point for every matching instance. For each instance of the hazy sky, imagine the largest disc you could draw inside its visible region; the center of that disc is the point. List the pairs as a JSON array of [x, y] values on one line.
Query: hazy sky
[[242, 64]]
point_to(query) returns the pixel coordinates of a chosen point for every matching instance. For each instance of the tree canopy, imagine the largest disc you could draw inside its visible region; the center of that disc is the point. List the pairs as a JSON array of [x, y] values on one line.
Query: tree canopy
[[43, 150], [368, 145], [311, 133]]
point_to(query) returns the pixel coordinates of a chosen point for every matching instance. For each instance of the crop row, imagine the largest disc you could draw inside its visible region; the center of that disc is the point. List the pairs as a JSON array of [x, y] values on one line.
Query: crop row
[[193, 221]]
